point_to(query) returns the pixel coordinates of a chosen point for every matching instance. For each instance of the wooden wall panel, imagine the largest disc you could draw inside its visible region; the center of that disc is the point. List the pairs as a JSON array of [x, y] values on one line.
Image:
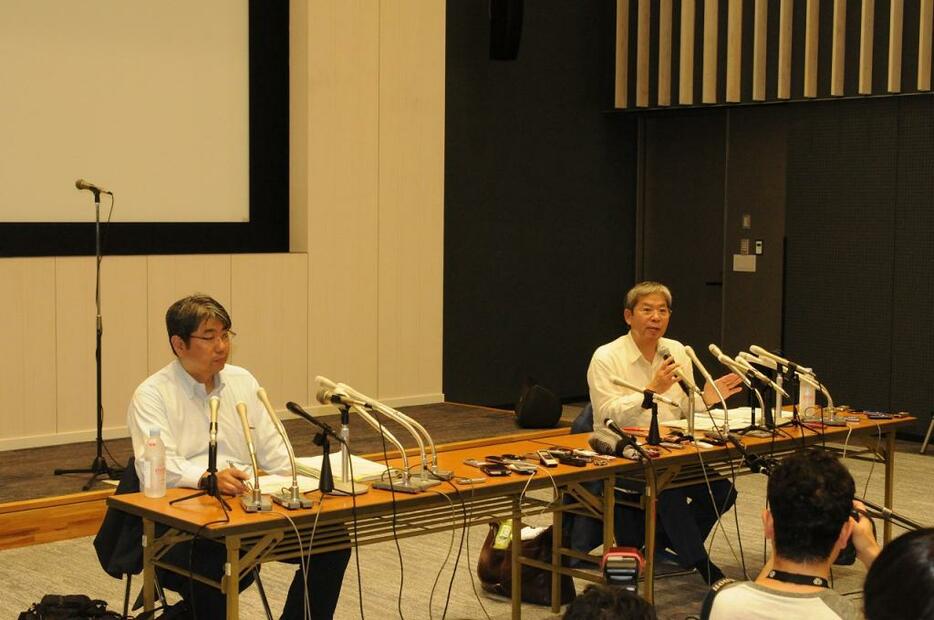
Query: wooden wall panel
[[343, 177], [269, 306], [27, 330], [411, 197], [124, 363], [686, 53], [168, 279]]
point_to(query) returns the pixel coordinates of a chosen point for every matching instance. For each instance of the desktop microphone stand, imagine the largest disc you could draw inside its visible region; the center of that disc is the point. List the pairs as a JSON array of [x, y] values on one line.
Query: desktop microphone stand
[[654, 437], [326, 484], [346, 485], [754, 429], [99, 467], [210, 484]]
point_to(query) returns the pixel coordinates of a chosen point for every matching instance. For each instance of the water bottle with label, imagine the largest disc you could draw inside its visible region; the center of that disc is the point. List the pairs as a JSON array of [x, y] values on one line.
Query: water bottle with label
[[806, 400], [154, 458]]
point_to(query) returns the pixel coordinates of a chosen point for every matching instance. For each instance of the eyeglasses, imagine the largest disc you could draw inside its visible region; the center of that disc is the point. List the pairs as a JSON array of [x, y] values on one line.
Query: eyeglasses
[[224, 336], [648, 311]]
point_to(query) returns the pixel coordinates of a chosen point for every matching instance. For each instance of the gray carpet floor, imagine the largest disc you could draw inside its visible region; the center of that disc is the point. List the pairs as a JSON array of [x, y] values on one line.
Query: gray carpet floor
[[71, 566]]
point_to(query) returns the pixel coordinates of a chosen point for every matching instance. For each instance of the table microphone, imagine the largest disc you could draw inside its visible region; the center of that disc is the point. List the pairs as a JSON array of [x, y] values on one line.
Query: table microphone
[[256, 502]]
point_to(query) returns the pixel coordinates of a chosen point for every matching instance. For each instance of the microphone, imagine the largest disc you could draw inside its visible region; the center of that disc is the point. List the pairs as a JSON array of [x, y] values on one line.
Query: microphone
[[297, 410], [82, 184], [256, 502], [703, 370], [729, 363], [327, 396], [415, 429], [655, 395], [628, 439], [780, 360], [760, 376], [756, 464], [325, 382], [761, 361], [212, 446], [289, 498], [683, 381], [817, 385]]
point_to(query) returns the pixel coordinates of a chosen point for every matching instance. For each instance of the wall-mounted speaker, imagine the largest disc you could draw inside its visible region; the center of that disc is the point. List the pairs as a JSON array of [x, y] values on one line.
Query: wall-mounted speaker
[[505, 29]]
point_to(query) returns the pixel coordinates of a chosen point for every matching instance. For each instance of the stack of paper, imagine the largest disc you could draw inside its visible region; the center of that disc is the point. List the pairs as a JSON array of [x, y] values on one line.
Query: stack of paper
[[363, 469], [739, 418]]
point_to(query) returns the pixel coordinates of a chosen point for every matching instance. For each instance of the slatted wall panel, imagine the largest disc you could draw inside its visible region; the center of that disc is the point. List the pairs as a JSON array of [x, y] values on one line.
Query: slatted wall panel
[[677, 53]]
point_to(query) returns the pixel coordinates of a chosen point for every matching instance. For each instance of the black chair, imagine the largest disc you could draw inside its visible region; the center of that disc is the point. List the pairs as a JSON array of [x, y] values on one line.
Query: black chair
[[120, 550]]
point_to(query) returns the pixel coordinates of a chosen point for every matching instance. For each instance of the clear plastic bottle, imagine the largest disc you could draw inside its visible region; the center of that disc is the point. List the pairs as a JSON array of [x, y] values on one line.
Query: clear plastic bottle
[[154, 457]]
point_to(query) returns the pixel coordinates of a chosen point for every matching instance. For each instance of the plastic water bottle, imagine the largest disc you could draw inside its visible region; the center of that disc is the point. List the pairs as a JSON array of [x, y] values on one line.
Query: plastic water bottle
[[154, 456]]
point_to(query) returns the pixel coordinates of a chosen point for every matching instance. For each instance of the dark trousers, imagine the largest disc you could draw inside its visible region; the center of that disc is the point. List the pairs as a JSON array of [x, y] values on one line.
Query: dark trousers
[[680, 525], [324, 577], [685, 517]]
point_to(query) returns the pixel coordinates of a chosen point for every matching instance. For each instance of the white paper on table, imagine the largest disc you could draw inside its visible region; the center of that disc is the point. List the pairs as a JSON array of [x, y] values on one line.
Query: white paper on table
[[273, 483]]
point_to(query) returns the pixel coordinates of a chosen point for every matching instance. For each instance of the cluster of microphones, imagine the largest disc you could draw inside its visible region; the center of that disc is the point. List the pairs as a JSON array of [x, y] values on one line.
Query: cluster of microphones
[[406, 479]]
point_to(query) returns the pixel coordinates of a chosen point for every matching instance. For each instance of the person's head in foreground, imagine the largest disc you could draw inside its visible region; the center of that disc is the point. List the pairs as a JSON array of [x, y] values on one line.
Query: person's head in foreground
[[602, 602], [900, 583]]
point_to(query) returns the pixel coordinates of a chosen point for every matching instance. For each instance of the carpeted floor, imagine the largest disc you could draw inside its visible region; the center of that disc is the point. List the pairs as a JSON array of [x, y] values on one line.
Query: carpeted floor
[[71, 566]]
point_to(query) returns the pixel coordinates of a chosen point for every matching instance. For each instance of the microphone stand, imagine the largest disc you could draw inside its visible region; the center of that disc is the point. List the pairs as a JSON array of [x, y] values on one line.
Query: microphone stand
[[99, 467], [210, 483], [654, 437], [346, 485]]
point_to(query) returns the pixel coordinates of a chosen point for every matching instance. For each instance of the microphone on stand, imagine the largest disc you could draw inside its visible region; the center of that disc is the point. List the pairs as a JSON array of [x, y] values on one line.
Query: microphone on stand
[[762, 377], [82, 185], [627, 439], [755, 463], [683, 380], [332, 397], [325, 428], [256, 502], [800, 370], [709, 379], [416, 430], [689, 388], [290, 498], [212, 447], [655, 396]]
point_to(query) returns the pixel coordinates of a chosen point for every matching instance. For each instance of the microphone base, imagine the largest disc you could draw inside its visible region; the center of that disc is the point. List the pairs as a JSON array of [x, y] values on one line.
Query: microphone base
[[412, 486], [254, 504], [344, 487], [755, 431], [288, 500]]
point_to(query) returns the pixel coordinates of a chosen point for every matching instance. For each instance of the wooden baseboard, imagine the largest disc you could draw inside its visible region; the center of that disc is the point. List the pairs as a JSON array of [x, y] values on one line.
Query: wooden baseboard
[[37, 521]]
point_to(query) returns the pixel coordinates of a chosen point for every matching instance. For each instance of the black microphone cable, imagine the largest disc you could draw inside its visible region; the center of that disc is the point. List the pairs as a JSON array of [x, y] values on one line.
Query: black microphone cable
[[447, 557], [395, 518]]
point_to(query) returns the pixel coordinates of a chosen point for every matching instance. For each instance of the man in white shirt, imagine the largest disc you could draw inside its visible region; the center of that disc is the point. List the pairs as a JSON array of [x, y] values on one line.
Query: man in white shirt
[[686, 514], [176, 401]]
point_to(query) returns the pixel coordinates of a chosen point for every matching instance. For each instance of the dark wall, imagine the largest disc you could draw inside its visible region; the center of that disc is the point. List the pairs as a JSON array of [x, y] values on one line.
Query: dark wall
[[860, 270], [848, 187], [539, 201]]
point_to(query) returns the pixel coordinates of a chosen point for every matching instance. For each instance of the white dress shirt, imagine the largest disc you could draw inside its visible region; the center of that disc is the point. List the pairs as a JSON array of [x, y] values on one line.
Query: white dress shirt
[[622, 358], [178, 405]]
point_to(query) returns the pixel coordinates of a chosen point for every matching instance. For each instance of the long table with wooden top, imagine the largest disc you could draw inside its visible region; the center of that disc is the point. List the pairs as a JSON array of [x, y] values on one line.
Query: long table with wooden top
[[340, 522], [675, 468]]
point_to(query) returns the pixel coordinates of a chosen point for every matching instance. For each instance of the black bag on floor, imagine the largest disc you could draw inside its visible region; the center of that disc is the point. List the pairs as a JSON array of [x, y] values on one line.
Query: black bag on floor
[[68, 607], [537, 407]]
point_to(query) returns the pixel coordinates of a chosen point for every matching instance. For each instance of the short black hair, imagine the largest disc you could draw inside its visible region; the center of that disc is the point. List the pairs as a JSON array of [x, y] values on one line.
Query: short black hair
[[900, 582], [184, 317], [811, 497], [601, 602]]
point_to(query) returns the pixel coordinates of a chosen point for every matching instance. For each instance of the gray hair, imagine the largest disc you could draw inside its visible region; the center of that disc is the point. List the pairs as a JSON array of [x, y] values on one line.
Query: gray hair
[[642, 289]]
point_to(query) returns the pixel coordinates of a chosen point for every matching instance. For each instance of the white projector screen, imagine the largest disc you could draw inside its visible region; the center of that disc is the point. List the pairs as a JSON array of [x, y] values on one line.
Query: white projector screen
[[147, 99]]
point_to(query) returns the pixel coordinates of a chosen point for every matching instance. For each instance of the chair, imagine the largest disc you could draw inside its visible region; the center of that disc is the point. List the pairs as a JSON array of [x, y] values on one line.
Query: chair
[[119, 548]]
